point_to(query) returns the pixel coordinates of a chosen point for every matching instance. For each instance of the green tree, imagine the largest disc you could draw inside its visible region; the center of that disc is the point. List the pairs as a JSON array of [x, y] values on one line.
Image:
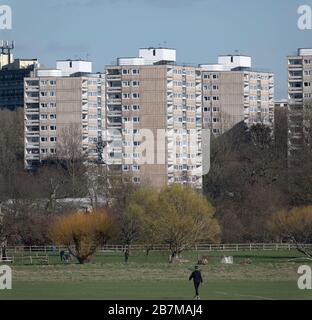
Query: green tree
[[175, 215]]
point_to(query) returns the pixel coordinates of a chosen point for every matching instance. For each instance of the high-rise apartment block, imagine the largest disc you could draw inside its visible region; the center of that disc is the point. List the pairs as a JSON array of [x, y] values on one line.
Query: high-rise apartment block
[[148, 117], [156, 105], [233, 92], [58, 103], [299, 97]]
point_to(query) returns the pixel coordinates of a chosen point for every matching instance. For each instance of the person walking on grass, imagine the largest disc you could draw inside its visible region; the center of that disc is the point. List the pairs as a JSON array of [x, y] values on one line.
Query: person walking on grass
[[126, 256], [197, 279]]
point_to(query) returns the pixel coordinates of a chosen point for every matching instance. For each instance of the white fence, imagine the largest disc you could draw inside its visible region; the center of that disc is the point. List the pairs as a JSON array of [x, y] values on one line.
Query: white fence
[[164, 247]]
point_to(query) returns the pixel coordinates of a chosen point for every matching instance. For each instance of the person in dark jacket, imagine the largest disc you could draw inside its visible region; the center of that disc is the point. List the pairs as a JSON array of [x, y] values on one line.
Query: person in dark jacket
[[197, 279], [127, 253]]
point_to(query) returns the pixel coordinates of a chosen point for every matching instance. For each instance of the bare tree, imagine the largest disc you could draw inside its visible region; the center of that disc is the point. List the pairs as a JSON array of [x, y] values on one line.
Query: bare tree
[[11, 151], [71, 156]]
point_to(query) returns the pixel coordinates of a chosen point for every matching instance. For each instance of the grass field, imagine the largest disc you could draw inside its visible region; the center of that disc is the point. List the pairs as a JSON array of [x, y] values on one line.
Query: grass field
[[271, 275]]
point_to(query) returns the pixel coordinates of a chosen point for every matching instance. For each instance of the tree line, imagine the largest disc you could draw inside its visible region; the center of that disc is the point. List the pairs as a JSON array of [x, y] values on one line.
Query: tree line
[[250, 183]]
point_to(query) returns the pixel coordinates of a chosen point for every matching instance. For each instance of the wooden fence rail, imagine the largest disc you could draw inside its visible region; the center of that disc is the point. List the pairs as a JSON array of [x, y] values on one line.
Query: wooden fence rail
[[164, 247]]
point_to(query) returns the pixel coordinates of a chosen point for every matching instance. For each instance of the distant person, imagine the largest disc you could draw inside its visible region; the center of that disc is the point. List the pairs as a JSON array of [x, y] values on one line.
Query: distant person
[[197, 279], [127, 256], [62, 256], [173, 256]]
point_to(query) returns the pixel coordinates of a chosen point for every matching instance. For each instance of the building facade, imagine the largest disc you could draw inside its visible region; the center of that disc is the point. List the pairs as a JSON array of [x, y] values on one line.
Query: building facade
[[12, 82], [57, 106], [299, 97], [154, 118], [148, 117], [233, 92]]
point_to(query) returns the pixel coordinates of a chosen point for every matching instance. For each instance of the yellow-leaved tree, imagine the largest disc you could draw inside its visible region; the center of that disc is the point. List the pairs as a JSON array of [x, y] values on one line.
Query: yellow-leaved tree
[[294, 225], [82, 233]]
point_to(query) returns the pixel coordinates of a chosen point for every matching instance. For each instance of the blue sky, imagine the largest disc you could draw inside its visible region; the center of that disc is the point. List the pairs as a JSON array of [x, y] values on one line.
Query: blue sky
[[200, 30]]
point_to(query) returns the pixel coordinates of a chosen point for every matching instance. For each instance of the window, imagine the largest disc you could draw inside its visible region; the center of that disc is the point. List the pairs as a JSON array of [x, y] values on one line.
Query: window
[[136, 179], [44, 128], [135, 83], [136, 119], [52, 128], [135, 107], [52, 116], [126, 83], [52, 150], [126, 95], [126, 119], [136, 168], [135, 95], [44, 150], [125, 71], [127, 144], [43, 116], [43, 94], [52, 139], [52, 82], [44, 139], [125, 107], [136, 143], [136, 71], [125, 168], [52, 94]]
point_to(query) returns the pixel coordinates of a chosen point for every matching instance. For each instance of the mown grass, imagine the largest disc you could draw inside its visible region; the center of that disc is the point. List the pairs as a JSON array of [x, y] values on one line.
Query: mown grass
[[271, 275]]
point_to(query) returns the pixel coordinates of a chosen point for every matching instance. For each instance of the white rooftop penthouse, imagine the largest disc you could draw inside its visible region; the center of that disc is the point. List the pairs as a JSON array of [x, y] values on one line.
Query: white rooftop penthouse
[[69, 67], [149, 56], [228, 63]]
